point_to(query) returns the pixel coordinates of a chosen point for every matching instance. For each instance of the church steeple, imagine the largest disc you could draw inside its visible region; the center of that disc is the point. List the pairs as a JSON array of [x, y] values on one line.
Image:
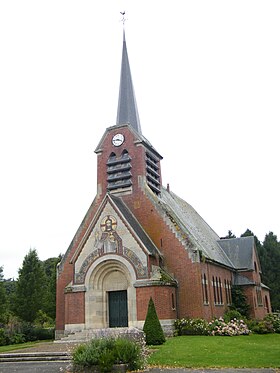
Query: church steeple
[[127, 107]]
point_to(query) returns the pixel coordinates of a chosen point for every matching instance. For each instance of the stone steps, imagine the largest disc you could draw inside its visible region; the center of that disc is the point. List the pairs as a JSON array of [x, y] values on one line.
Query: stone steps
[[88, 334], [35, 356]]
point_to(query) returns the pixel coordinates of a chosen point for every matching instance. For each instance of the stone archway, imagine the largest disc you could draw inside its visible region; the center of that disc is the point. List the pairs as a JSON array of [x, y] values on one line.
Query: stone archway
[[108, 276]]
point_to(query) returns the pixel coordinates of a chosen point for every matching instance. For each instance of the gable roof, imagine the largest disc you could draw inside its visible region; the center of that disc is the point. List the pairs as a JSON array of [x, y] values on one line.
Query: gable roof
[[140, 139], [240, 251], [199, 234], [135, 225]]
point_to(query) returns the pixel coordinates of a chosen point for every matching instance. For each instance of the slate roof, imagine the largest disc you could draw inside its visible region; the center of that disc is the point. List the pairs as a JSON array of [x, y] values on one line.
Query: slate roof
[[192, 224], [240, 280], [127, 106], [136, 226], [240, 251]]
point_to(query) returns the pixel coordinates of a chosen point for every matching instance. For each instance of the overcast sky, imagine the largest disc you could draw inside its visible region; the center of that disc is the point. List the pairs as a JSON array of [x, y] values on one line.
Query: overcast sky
[[207, 82]]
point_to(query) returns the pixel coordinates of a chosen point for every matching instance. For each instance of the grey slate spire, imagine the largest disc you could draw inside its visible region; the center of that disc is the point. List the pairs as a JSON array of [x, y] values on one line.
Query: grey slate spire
[[127, 107]]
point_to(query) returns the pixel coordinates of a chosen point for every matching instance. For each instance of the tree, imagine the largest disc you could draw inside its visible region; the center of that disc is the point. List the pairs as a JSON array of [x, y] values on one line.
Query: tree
[[239, 301], [152, 327], [3, 298], [50, 270], [270, 262], [31, 288], [229, 235]]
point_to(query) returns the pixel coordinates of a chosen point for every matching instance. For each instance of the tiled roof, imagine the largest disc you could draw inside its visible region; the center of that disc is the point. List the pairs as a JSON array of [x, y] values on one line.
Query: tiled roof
[[240, 251], [201, 235]]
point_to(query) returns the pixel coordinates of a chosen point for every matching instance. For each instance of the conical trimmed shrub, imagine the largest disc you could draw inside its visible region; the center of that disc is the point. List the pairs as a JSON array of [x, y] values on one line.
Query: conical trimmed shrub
[[152, 327]]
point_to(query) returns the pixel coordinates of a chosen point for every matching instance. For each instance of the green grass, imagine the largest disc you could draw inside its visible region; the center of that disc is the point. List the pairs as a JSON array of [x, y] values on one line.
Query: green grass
[[19, 346], [253, 351]]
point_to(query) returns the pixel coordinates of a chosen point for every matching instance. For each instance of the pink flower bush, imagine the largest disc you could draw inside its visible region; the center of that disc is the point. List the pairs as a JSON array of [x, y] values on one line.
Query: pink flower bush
[[231, 328]]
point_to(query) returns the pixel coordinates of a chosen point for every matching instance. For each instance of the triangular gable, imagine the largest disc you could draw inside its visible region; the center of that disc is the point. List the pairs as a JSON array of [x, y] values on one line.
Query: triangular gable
[[139, 139], [241, 251], [113, 231]]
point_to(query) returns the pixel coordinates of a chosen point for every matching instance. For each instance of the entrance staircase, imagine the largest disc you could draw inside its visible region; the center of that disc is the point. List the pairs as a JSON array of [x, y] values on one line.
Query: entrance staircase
[[88, 334], [34, 356]]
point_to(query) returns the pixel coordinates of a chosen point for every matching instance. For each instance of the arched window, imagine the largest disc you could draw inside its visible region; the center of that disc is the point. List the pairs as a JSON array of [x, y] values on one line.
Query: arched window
[[173, 301], [214, 289], [226, 290], [266, 303], [229, 292], [217, 291], [112, 156], [124, 154], [206, 300], [221, 291]]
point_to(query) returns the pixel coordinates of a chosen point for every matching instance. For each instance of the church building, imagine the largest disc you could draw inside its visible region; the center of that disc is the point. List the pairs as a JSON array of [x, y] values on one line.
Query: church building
[[138, 240]]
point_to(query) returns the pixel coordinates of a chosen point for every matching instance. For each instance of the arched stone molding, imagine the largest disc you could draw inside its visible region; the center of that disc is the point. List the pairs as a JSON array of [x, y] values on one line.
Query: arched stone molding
[[109, 273]]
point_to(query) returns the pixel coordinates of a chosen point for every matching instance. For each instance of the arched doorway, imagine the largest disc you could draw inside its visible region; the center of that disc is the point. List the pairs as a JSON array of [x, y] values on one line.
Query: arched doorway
[[110, 299]]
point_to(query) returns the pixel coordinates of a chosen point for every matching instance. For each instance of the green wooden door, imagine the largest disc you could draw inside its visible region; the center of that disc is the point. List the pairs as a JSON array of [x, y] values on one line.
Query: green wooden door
[[118, 316]]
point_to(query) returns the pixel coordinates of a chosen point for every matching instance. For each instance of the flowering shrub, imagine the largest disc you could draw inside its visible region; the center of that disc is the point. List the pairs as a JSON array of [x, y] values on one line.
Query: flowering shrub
[[215, 327], [270, 324], [231, 328], [105, 352], [274, 319], [195, 327]]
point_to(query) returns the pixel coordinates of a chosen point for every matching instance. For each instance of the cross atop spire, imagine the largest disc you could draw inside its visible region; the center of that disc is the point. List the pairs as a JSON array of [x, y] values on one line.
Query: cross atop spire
[[127, 107], [123, 18]]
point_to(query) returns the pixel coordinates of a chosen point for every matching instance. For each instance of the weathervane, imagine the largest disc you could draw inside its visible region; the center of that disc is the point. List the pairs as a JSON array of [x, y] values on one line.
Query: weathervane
[[123, 18]]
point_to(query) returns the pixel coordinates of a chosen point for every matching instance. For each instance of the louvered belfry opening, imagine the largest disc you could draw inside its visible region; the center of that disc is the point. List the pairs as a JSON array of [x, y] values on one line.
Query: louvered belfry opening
[[118, 171], [152, 172]]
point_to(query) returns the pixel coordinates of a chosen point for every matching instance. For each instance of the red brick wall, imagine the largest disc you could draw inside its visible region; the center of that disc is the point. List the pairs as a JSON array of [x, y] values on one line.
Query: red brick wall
[[136, 152], [162, 297], [176, 258], [67, 273], [220, 307], [75, 308]]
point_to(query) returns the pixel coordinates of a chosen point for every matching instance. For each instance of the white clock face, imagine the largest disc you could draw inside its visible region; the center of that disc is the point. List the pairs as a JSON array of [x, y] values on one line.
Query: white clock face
[[118, 139]]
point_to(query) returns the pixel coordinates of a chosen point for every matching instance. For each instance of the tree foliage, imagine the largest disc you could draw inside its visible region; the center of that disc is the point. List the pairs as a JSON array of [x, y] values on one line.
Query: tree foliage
[[239, 301], [270, 263], [229, 235], [31, 288], [3, 298], [49, 266], [152, 327]]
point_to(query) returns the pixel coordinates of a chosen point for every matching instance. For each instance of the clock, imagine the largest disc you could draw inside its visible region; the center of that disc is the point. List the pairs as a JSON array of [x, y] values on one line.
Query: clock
[[118, 139]]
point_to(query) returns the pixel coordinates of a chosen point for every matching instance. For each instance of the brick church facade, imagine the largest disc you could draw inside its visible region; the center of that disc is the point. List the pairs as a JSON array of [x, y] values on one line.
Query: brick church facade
[[140, 240]]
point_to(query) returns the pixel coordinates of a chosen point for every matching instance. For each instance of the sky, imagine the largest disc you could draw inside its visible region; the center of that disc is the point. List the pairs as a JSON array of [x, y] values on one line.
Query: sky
[[207, 82]]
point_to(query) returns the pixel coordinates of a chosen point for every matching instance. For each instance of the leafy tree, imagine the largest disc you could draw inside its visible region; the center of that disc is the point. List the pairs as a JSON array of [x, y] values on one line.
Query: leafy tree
[[31, 288], [239, 301], [270, 262], [3, 298], [152, 327], [229, 235], [50, 270]]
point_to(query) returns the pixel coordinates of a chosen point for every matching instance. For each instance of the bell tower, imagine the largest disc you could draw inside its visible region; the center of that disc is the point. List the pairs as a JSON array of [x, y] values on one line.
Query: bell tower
[[126, 159]]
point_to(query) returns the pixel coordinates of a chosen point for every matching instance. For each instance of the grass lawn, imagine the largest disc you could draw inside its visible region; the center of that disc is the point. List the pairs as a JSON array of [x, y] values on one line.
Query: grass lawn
[[19, 346], [253, 351]]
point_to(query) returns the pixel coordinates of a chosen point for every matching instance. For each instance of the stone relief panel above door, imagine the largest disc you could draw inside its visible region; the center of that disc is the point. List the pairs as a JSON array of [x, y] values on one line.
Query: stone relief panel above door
[[110, 236]]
